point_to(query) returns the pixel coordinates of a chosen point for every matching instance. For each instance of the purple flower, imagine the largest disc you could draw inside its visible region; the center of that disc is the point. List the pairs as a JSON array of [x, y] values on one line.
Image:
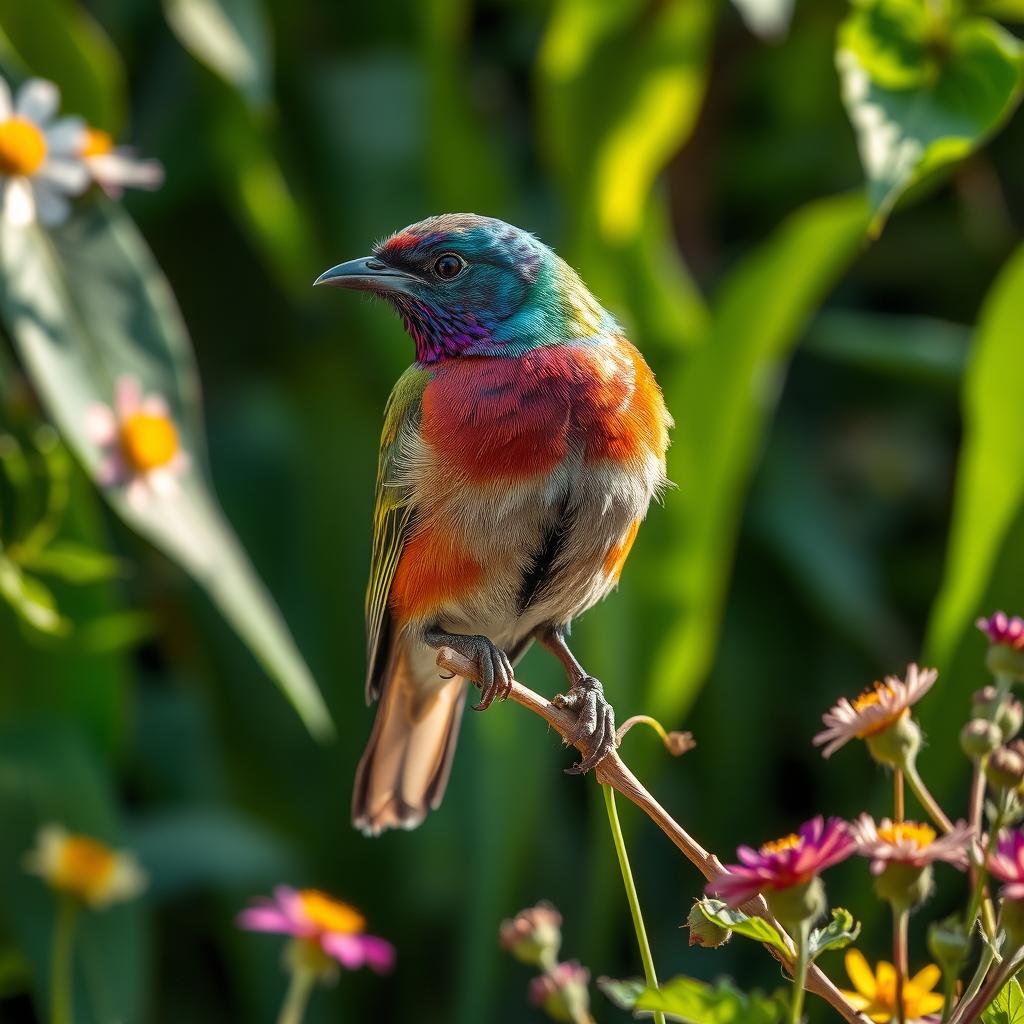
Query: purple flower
[[323, 921], [1007, 864], [1002, 631], [784, 863]]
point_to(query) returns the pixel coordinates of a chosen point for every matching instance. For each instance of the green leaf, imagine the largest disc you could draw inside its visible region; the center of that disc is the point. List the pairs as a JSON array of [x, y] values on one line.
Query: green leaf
[[990, 478], [1007, 1007], [756, 928], [722, 400], [622, 993], [74, 562], [33, 603], [697, 1002], [921, 94], [89, 307], [837, 934]]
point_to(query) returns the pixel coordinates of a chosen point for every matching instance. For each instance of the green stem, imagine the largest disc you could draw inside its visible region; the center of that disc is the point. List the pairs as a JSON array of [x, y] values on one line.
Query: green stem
[[61, 962], [299, 988], [631, 895], [981, 872], [900, 921], [925, 798], [796, 1006]]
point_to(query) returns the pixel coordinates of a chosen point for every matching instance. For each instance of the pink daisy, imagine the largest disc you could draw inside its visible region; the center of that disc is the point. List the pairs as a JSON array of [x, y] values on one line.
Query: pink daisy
[[1007, 864], [910, 843], [1003, 631]]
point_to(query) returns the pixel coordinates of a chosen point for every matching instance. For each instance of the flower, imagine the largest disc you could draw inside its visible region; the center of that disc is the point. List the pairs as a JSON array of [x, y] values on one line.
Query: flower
[[115, 168], [1003, 631], [562, 993], [84, 867], [876, 990], [784, 863], [1007, 864], [909, 843], [875, 710], [322, 921], [534, 935], [39, 162], [140, 443]]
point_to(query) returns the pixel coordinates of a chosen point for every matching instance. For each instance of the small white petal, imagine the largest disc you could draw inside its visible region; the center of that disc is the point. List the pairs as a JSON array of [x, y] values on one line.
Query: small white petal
[[155, 405], [137, 494], [112, 470], [51, 206], [100, 423], [37, 100], [119, 170], [71, 176], [162, 482], [19, 203], [127, 395], [66, 136], [6, 107]]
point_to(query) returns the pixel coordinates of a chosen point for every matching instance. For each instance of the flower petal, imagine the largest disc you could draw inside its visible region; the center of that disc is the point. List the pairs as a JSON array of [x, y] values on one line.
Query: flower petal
[[100, 424], [70, 176], [860, 973], [6, 106], [926, 979], [51, 205], [37, 100], [265, 919], [127, 395], [346, 949], [19, 203]]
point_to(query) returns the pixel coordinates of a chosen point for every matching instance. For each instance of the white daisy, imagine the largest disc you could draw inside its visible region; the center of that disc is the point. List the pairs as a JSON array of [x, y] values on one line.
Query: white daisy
[[115, 168], [39, 163]]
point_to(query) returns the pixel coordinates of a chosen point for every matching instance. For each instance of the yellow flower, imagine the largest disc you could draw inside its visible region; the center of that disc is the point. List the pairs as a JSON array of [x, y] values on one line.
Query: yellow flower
[[84, 867], [876, 991]]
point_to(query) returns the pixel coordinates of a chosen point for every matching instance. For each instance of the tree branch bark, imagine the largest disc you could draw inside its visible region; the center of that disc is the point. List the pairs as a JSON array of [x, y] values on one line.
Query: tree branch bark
[[614, 772]]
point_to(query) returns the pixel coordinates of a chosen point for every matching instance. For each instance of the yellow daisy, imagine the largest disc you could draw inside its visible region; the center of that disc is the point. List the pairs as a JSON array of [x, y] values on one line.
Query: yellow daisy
[[876, 990]]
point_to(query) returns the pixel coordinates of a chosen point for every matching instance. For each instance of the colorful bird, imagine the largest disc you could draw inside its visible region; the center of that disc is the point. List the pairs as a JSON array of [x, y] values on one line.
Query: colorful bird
[[519, 456]]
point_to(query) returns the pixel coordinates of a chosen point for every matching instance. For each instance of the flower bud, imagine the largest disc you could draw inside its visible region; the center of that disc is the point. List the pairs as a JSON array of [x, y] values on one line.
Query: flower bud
[[1010, 717], [904, 885], [562, 993], [704, 932], [979, 737], [798, 903], [896, 745], [949, 944], [1004, 710], [533, 936], [1005, 768], [1003, 660]]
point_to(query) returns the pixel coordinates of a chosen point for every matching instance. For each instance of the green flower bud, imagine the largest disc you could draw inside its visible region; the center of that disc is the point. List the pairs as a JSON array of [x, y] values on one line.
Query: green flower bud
[[979, 737], [704, 932], [949, 944], [903, 885], [1010, 717], [1004, 710], [896, 745], [798, 903], [1004, 660], [1005, 769]]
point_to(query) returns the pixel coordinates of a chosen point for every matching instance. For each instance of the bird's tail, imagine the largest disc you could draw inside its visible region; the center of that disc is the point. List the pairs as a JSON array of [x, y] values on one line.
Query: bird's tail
[[404, 769]]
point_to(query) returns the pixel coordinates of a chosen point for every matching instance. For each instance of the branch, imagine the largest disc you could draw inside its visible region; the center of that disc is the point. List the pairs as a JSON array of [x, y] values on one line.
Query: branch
[[613, 771]]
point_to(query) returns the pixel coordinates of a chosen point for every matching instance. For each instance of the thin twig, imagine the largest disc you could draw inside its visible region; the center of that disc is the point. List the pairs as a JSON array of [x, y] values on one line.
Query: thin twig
[[612, 771]]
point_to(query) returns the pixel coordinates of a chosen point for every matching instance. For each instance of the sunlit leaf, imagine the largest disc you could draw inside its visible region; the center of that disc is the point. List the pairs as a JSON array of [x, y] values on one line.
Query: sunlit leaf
[[74, 562], [622, 993], [696, 1002], [990, 474], [30, 599], [756, 928], [921, 95], [1007, 1007], [90, 309], [837, 934]]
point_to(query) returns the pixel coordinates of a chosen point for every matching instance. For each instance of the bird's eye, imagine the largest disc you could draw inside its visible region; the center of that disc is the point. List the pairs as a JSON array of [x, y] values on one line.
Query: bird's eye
[[448, 266]]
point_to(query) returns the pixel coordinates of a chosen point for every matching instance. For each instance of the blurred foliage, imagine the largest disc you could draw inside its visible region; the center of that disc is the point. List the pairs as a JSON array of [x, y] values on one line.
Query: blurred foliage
[[849, 479]]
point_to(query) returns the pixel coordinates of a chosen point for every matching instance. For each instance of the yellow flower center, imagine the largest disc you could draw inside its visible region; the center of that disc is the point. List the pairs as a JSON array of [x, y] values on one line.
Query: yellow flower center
[[920, 835], [97, 143], [83, 867], [148, 441], [871, 696], [330, 914], [22, 147], [790, 842]]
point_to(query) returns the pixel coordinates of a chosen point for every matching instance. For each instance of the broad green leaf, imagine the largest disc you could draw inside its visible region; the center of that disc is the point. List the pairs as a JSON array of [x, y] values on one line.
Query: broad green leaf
[[622, 993], [30, 599], [837, 934], [756, 928], [1007, 1007], [722, 400], [697, 1002], [990, 474], [766, 18], [920, 95], [74, 562], [59, 40], [89, 307], [231, 37]]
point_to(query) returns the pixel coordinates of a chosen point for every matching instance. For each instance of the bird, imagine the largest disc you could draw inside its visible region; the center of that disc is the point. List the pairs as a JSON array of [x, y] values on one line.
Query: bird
[[520, 453]]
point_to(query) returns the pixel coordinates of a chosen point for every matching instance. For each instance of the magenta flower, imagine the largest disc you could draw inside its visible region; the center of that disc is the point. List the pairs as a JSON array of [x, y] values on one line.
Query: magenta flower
[[320, 919], [1003, 631], [784, 863], [910, 843], [1007, 864]]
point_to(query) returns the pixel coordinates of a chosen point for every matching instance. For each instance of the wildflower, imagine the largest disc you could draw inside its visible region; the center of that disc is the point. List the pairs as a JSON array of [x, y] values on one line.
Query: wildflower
[[1006, 644], [39, 163], [878, 712], [785, 869], [1007, 864], [875, 994], [533, 936], [140, 443], [84, 867], [910, 843], [562, 993], [319, 922], [115, 168]]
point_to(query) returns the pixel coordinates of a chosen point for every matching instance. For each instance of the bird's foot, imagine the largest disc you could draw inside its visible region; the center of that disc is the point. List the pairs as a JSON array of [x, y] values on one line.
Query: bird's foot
[[494, 670], [595, 722]]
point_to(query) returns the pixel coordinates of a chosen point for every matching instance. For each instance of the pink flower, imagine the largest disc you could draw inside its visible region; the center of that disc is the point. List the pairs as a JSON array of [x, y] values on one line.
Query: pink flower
[[875, 710], [140, 443], [784, 863], [317, 918], [562, 993], [1003, 631], [910, 843], [1007, 864]]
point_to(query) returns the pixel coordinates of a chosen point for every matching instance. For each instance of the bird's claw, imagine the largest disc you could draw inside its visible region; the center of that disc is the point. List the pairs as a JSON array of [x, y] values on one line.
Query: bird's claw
[[595, 722], [496, 673]]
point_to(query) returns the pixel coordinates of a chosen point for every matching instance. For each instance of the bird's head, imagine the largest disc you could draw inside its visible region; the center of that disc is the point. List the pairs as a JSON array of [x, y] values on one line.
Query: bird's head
[[471, 285]]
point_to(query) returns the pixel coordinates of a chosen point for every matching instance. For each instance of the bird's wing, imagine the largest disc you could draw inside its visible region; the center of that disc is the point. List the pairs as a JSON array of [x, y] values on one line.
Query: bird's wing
[[392, 516]]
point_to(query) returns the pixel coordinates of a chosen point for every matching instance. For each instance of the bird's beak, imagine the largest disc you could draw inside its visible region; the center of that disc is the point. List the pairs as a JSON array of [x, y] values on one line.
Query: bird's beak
[[366, 274]]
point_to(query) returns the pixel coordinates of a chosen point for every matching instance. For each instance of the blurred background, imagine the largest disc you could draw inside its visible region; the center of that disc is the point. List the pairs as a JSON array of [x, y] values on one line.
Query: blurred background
[[705, 180]]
